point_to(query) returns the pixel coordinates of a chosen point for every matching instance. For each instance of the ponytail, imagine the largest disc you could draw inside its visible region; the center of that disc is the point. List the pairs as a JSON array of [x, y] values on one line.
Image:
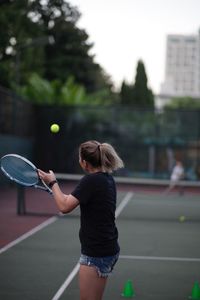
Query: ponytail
[[102, 156], [110, 161]]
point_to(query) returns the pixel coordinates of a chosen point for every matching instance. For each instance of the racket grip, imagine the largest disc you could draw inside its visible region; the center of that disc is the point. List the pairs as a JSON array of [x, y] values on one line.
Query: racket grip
[[43, 188]]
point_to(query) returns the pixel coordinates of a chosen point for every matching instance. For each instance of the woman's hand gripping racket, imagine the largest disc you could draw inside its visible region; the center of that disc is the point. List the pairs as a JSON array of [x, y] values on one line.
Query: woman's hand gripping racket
[[22, 171]]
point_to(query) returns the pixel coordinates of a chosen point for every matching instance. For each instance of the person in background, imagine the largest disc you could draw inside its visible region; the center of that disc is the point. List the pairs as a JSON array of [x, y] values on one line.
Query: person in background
[[96, 196], [176, 176]]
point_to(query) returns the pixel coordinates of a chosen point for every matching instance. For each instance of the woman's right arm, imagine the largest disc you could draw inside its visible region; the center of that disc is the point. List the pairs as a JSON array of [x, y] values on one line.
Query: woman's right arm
[[65, 203]]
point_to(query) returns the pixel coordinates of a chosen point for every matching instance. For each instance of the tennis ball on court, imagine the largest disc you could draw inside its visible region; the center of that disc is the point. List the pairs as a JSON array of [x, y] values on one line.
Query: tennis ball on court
[[55, 128], [181, 219]]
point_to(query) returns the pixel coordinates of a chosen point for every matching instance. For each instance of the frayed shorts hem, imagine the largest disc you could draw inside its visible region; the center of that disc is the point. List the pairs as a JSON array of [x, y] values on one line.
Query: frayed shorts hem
[[103, 265]]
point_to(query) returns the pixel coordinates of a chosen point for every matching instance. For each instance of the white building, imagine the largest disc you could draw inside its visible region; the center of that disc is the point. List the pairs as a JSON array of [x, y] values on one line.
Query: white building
[[182, 69]]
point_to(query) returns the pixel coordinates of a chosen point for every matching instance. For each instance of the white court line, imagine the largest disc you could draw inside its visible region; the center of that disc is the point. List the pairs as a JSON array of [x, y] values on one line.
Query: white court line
[[66, 282], [182, 259], [123, 203], [27, 234], [73, 273]]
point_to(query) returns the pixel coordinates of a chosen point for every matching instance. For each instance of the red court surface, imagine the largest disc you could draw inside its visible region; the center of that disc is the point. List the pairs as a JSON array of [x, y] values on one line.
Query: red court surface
[[39, 207]]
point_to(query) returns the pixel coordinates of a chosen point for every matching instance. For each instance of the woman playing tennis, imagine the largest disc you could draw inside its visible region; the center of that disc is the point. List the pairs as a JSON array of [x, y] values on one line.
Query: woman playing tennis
[[96, 195]]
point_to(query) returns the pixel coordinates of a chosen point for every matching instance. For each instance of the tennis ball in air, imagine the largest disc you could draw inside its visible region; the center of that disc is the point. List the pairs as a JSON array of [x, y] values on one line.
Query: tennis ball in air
[[181, 219], [55, 128]]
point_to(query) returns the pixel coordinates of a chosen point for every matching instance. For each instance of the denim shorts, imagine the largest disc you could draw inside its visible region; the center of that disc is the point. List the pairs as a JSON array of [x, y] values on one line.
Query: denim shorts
[[103, 265]]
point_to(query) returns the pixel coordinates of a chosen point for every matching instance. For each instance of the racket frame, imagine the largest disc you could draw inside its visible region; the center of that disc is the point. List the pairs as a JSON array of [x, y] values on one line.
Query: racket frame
[[35, 185]]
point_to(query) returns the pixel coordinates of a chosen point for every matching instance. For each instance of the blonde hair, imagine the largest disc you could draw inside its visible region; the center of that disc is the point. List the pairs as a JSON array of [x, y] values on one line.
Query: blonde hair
[[101, 156]]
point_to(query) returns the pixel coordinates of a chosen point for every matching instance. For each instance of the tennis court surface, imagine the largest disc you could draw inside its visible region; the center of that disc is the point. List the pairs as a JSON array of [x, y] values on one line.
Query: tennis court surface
[[159, 238]]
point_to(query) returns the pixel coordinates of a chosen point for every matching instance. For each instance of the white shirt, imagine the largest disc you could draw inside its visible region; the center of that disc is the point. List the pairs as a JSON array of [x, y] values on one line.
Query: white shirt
[[177, 173]]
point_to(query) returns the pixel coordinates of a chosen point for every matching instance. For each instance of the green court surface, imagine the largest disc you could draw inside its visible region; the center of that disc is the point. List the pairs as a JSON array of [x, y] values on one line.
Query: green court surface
[[159, 253]]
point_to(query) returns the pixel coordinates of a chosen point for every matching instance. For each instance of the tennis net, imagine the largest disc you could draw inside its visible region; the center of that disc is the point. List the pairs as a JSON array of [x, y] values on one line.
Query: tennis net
[[148, 202]]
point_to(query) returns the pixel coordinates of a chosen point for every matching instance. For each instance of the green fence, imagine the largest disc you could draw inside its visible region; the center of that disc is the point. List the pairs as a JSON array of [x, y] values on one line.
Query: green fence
[[147, 141], [16, 115]]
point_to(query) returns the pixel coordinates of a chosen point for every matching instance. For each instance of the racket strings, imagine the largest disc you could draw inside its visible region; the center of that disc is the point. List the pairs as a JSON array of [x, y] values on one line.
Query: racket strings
[[20, 171]]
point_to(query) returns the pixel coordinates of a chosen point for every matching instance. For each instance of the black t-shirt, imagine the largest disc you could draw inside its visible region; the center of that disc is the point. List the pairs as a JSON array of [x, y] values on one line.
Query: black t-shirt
[[98, 234]]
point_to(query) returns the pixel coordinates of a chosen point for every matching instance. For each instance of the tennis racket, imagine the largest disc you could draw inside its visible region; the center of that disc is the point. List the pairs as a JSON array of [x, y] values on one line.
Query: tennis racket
[[22, 171]]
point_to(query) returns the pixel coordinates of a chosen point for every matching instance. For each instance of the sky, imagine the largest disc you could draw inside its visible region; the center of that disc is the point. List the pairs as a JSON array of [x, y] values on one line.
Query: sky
[[125, 31]]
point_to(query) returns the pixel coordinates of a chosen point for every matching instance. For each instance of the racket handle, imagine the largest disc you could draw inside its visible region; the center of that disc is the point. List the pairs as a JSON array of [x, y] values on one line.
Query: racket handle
[[43, 188]]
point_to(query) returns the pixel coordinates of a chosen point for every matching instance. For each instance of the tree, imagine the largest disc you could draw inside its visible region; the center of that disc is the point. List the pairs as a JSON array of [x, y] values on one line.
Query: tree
[[127, 94], [143, 96], [41, 91], [42, 37], [183, 103], [138, 94]]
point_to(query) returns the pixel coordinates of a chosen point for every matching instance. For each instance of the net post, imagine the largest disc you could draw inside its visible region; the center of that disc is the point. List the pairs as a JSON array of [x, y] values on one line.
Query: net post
[[21, 208]]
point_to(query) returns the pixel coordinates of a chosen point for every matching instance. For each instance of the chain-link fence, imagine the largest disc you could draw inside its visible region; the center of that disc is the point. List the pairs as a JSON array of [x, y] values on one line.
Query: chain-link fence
[[16, 115], [147, 141]]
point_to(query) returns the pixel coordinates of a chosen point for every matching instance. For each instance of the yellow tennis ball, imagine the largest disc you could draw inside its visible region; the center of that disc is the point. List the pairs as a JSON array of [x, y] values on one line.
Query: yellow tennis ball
[[55, 128], [181, 219]]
